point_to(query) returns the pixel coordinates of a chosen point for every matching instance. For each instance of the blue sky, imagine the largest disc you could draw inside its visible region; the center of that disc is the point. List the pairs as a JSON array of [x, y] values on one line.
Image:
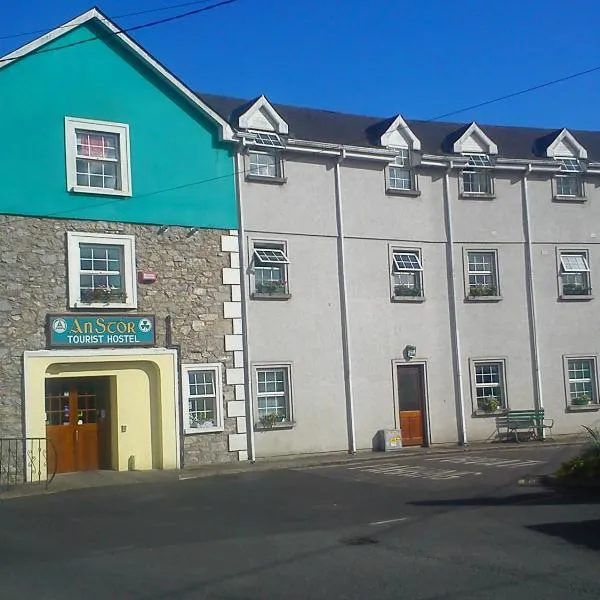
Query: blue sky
[[375, 57]]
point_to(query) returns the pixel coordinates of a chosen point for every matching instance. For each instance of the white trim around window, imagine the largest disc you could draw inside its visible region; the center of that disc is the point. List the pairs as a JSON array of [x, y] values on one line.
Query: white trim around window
[[101, 270], [481, 273], [574, 276], [273, 396], [202, 388], [488, 379], [581, 382], [103, 168], [269, 270], [406, 273], [265, 165]]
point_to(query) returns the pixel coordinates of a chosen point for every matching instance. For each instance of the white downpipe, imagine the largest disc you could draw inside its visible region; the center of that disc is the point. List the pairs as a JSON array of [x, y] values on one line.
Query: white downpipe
[[538, 398], [344, 307], [454, 332], [239, 167]]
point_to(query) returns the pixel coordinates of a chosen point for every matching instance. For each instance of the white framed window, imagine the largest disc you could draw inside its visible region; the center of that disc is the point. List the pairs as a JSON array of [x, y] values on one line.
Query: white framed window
[[264, 164], [482, 274], [574, 271], [477, 176], [400, 174], [581, 379], [98, 157], [407, 274], [489, 385], [273, 395], [270, 270], [202, 398], [568, 182], [101, 270]]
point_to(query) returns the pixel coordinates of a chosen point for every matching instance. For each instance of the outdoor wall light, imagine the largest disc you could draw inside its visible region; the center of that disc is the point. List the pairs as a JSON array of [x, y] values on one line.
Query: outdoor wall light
[[410, 352]]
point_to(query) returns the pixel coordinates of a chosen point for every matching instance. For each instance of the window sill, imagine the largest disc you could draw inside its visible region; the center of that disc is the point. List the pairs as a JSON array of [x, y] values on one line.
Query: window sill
[[408, 299], [583, 408], [103, 305], [399, 192], [480, 414], [575, 297], [483, 298], [266, 179], [477, 196], [77, 189], [286, 425], [273, 296], [201, 430], [576, 199]]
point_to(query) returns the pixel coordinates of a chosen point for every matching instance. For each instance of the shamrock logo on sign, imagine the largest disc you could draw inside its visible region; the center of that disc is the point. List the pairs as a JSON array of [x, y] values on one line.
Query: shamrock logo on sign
[[145, 325]]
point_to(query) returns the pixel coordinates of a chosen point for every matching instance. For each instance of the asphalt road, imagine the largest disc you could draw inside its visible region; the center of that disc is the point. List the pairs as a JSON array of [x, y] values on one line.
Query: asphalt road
[[443, 527]]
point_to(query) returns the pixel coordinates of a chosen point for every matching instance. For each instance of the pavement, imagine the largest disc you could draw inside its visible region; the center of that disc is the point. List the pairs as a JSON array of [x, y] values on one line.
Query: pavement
[[452, 525]]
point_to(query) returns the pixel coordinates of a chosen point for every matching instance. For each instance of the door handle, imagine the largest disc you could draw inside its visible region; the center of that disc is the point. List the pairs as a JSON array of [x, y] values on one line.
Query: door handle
[[77, 435]]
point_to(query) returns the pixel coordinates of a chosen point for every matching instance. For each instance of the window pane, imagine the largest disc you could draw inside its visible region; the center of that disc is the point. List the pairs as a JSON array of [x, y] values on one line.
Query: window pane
[[263, 165], [400, 178], [477, 182]]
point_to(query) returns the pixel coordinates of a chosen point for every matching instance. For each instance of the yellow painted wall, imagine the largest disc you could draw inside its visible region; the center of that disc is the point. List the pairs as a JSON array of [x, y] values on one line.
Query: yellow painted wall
[[143, 401]]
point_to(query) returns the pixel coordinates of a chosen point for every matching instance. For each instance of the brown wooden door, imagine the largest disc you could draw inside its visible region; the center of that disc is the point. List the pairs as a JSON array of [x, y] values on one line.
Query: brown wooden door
[[76, 413], [411, 403]]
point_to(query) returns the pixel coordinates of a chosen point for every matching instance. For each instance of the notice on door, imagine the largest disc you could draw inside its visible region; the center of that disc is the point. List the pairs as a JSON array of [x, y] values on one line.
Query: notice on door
[[100, 331]]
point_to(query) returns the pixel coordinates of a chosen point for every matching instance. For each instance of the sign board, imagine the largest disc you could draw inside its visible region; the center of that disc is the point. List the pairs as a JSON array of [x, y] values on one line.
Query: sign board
[[100, 331]]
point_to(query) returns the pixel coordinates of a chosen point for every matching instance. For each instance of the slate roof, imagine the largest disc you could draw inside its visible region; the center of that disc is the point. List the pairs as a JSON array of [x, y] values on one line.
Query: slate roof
[[436, 137]]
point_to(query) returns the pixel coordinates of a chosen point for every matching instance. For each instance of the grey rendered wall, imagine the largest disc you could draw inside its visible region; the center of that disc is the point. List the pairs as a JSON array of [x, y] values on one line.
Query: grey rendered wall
[[565, 327], [379, 328], [304, 331]]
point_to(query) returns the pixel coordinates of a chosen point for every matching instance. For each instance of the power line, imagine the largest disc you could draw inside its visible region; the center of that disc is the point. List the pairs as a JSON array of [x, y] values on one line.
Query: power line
[[132, 28], [124, 16]]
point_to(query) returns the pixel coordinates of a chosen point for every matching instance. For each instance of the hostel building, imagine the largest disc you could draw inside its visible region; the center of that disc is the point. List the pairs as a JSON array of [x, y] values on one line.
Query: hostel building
[[119, 328]]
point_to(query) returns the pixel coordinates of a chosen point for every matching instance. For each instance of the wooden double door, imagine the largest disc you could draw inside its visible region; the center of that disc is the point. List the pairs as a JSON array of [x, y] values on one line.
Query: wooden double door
[[78, 423], [411, 404]]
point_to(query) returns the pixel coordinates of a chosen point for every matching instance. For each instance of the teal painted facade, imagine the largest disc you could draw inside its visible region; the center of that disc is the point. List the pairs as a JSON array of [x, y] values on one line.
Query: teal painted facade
[[181, 173]]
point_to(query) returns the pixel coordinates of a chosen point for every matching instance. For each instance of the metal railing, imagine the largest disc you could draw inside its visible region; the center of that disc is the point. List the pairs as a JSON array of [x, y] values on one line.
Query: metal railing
[[27, 460]]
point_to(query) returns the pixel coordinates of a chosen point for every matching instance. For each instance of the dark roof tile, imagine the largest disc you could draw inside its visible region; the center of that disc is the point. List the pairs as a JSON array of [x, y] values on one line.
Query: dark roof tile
[[436, 137]]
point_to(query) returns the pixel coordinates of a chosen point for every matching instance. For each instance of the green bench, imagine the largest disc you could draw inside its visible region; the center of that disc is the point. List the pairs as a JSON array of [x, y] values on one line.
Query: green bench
[[532, 423]]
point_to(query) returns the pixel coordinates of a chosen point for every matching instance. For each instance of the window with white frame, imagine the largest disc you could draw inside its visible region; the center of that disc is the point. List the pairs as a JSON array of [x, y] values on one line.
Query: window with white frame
[[489, 385], [477, 176], [203, 398], [270, 269], [574, 274], [98, 157], [407, 274], [568, 180], [581, 377], [101, 270], [482, 273], [273, 398], [264, 164], [400, 174]]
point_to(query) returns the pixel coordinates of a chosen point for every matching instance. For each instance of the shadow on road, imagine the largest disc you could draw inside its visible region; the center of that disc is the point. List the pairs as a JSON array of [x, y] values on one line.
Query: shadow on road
[[582, 533], [545, 497]]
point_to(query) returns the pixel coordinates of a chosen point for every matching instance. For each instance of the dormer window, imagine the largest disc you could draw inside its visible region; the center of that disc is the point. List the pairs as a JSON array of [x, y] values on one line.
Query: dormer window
[[400, 175], [264, 160], [477, 176], [568, 182]]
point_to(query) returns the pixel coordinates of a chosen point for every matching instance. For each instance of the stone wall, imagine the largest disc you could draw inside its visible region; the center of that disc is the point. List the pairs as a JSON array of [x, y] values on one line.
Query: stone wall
[[189, 289]]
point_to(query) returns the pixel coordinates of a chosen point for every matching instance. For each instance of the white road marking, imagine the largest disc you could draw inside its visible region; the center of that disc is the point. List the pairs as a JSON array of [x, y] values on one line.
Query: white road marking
[[389, 521], [415, 471], [487, 461]]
